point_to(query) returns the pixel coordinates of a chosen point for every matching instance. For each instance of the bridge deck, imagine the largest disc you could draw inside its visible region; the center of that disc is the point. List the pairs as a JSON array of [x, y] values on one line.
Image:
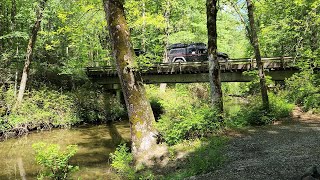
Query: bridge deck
[[232, 70]]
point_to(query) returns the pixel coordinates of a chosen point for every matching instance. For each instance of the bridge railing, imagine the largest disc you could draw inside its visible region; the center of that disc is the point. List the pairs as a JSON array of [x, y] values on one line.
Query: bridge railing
[[242, 64]]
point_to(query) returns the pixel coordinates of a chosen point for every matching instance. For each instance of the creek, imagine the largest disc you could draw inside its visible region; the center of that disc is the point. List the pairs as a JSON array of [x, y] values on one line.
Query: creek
[[94, 143]]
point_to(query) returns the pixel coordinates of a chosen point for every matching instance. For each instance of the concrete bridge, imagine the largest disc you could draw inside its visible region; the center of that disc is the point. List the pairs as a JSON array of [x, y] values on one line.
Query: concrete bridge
[[232, 70]]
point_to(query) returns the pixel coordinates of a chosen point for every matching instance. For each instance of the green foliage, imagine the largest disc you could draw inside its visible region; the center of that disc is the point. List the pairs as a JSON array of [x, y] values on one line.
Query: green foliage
[[231, 33], [96, 106], [77, 39], [232, 105], [254, 113], [55, 162], [253, 87], [156, 23], [185, 115], [6, 102], [304, 89], [43, 108], [46, 108], [290, 28], [187, 122], [122, 161], [233, 88], [115, 109], [147, 175], [312, 102]]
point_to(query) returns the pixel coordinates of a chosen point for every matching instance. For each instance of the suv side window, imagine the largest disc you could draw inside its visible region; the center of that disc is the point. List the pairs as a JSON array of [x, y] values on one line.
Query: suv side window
[[177, 51], [192, 51], [203, 51]]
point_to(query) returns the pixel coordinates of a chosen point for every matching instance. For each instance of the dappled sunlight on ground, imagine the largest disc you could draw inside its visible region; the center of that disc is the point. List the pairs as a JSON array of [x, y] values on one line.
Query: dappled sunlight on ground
[[280, 151]]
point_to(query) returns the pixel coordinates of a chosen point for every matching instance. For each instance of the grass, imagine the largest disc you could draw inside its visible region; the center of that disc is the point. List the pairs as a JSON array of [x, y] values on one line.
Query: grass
[[186, 159], [203, 156]]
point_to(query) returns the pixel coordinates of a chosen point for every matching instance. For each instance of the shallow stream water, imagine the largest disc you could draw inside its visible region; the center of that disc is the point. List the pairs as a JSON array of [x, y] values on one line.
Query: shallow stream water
[[94, 143]]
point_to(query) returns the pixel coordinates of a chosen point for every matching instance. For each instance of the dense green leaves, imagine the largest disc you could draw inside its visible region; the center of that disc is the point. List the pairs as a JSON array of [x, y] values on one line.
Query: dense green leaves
[[187, 113], [54, 161], [253, 112], [289, 27], [43, 108], [122, 161], [304, 89], [74, 35]]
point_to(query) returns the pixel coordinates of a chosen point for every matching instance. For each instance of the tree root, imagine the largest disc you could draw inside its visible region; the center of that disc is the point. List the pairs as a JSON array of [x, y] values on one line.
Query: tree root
[[24, 129]]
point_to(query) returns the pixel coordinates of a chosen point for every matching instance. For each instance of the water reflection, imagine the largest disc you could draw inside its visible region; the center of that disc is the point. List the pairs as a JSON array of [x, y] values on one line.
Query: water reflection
[[95, 144], [232, 105]]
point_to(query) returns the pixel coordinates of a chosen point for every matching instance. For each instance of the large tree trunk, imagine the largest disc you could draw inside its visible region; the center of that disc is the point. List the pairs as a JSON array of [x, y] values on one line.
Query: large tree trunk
[[141, 117], [30, 48], [255, 44], [214, 67]]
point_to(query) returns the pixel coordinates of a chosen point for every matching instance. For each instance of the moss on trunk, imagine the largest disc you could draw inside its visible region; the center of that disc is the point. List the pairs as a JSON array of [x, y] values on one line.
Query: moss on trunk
[[214, 67], [141, 117]]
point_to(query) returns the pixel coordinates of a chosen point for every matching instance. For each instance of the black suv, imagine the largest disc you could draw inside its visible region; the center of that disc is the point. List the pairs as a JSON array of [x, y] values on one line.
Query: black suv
[[193, 52]]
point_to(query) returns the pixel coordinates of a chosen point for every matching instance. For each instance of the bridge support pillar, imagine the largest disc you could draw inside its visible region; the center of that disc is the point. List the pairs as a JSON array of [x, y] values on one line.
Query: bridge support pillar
[[118, 95]]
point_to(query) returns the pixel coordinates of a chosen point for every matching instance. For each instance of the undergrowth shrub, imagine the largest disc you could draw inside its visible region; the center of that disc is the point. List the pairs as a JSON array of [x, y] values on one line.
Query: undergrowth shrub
[[122, 161], [312, 102], [177, 125], [254, 114], [185, 116], [42, 107], [304, 89], [45, 108], [55, 163]]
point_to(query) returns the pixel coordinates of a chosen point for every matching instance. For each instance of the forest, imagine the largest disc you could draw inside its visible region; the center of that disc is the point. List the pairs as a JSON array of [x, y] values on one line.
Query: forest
[[58, 123]]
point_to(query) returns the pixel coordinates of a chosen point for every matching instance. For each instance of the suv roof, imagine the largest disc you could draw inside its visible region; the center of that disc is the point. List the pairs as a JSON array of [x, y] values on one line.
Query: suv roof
[[177, 45]]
